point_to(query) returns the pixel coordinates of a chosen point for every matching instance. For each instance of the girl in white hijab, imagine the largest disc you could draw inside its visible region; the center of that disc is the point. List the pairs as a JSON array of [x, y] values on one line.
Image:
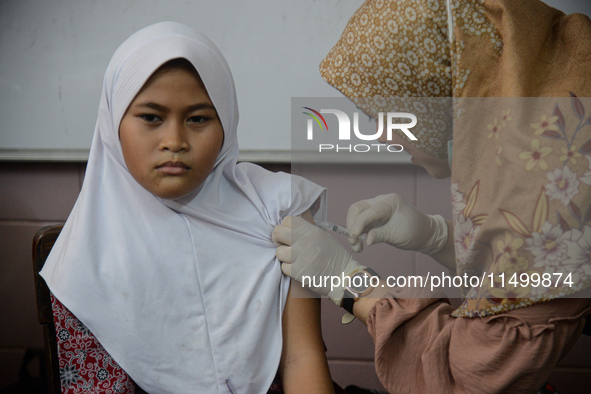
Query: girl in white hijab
[[167, 256]]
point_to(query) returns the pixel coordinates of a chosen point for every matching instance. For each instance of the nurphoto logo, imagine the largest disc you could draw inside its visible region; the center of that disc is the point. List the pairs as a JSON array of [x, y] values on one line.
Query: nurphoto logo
[[344, 130]]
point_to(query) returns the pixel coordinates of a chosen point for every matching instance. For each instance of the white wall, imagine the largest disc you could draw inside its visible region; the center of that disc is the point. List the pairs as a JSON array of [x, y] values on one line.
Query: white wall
[[54, 54]]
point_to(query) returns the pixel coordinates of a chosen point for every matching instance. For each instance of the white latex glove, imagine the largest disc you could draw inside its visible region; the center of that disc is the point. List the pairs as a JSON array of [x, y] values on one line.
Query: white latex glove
[[307, 250], [388, 218]]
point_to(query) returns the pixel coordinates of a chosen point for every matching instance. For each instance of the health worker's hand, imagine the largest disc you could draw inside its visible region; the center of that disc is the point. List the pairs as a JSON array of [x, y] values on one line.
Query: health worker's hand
[[388, 218], [309, 251]]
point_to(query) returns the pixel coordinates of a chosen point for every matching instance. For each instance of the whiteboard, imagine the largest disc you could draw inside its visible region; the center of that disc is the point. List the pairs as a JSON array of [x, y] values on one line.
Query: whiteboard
[[54, 55]]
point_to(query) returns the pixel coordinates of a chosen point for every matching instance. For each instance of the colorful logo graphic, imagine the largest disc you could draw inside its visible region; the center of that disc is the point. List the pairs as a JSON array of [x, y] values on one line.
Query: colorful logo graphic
[[386, 122], [345, 124], [316, 119]]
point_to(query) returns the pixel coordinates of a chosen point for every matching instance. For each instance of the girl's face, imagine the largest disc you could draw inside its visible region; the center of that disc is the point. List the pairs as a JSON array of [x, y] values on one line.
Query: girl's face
[[171, 134]]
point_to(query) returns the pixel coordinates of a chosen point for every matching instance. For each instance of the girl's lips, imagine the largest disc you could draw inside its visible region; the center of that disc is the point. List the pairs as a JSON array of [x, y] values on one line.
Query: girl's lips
[[173, 168]]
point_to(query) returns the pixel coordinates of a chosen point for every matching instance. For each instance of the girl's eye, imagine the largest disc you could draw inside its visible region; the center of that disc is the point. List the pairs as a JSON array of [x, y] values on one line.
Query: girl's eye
[[198, 119], [150, 118]]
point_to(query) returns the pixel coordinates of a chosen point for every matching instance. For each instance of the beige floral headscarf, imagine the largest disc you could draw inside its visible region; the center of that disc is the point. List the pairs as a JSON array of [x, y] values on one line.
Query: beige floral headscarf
[[521, 176]]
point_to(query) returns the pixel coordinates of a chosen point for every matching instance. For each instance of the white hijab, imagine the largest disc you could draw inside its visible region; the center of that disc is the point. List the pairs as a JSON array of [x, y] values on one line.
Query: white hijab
[[185, 295]]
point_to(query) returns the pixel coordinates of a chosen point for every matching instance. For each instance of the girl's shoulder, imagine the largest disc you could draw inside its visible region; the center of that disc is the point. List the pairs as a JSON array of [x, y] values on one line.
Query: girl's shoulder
[[286, 193]]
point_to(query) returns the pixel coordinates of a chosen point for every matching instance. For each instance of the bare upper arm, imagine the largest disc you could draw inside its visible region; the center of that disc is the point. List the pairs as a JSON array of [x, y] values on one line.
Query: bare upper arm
[[303, 367]]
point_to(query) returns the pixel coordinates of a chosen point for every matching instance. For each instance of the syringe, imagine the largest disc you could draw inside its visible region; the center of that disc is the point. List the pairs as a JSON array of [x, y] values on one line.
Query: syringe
[[328, 226]]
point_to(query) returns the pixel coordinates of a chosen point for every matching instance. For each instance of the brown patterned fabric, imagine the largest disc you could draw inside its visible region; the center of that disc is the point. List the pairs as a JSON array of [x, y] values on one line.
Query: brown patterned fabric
[[392, 50], [520, 75], [521, 175]]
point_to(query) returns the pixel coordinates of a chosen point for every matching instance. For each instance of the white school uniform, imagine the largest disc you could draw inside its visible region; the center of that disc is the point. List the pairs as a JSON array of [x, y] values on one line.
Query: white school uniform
[[186, 295]]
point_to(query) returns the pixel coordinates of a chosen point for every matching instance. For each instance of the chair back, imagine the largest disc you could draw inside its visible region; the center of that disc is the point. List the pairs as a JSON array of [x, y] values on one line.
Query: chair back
[[42, 244]]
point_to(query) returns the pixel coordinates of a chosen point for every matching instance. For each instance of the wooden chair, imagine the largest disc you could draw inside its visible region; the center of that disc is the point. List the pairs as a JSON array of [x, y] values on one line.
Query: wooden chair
[[42, 244]]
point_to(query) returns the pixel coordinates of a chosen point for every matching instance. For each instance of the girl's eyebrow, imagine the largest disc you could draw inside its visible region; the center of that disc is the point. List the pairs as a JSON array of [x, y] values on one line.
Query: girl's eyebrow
[[159, 107]]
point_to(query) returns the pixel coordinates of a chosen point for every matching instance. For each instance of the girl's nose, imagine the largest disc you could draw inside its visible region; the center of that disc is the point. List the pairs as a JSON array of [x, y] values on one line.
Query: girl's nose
[[174, 138]]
